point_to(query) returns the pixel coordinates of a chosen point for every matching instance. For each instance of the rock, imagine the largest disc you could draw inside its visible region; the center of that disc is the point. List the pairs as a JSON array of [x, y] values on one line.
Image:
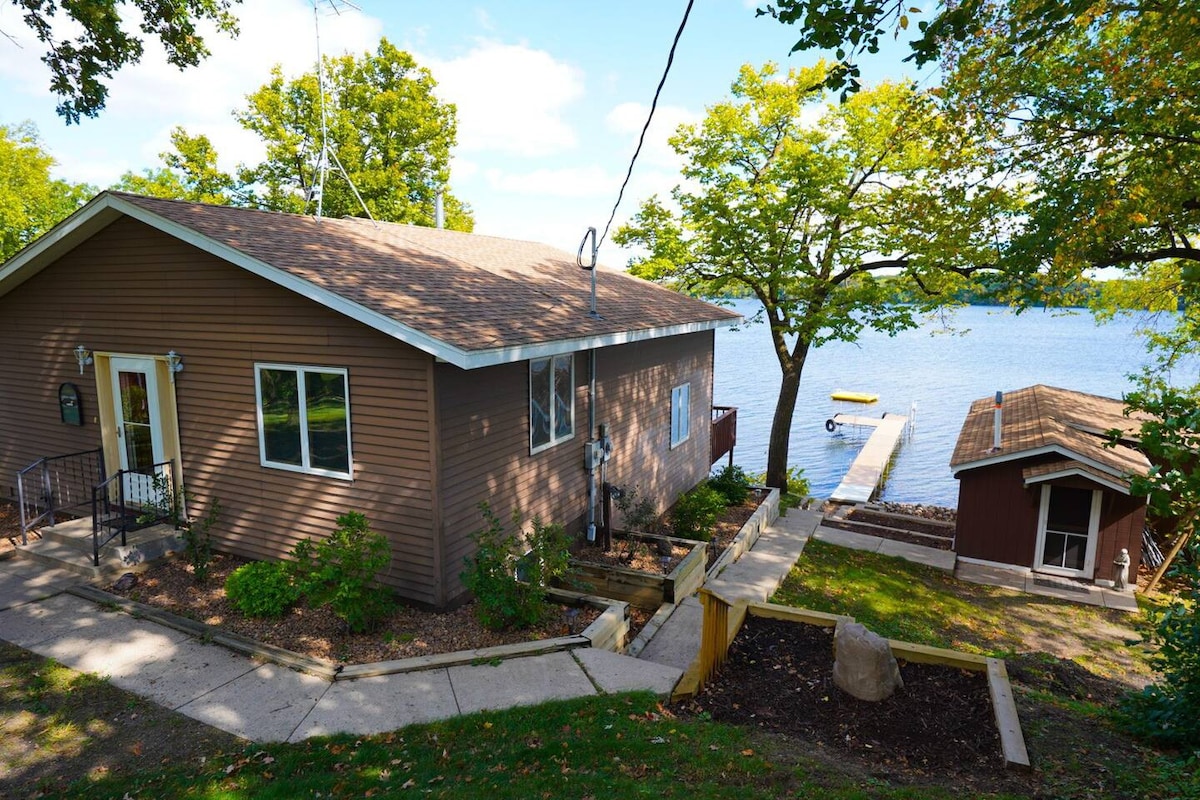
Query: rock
[[865, 666], [125, 582]]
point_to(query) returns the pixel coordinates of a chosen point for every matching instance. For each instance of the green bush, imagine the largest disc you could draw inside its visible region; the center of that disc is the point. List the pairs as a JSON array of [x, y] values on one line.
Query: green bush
[[696, 512], [1168, 711], [797, 484], [733, 483], [510, 589], [262, 589], [340, 572]]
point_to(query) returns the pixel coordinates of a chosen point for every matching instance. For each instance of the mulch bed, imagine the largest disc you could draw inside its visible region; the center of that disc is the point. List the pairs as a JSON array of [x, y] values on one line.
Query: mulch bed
[[409, 632], [10, 528], [902, 523], [779, 678], [895, 534], [642, 556], [729, 523]]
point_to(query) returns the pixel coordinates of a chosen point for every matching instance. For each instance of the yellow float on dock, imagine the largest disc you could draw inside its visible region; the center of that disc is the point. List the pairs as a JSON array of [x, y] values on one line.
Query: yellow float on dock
[[854, 397]]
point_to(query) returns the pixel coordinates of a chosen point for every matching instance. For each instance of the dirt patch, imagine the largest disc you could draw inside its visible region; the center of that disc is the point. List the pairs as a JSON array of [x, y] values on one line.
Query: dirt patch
[[894, 534], [730, 523], [939, 726], [408, 632], [632, 553]]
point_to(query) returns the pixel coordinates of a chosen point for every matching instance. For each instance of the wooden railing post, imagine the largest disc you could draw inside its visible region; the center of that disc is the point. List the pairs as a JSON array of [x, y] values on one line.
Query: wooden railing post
[[714, 635]]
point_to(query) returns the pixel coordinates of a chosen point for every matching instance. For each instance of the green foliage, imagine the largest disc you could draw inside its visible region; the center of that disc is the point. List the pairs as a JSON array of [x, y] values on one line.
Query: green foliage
[[197, 543], [340, 571], [1168, 711], [510, 588], [733, 483], [168, 507], [262, 589], [638, 513], [80, 67], [190, 173], [795, 484], [31, 203], [695, 513]]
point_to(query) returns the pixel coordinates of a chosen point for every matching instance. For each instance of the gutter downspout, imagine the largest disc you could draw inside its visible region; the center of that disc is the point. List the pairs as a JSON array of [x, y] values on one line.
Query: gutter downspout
[[591, 469]]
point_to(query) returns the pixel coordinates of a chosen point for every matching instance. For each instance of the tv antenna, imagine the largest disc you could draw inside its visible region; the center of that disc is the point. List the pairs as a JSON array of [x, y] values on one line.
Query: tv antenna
[[327, 152]]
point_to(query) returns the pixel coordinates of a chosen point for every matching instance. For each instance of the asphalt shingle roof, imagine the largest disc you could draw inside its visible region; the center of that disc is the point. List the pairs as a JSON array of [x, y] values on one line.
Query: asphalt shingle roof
[[473, 292]]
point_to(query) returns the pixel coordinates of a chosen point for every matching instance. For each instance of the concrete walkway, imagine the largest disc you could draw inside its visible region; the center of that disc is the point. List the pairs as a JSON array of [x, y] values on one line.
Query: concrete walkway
[[267, 702], [755, 576], [929, 556]]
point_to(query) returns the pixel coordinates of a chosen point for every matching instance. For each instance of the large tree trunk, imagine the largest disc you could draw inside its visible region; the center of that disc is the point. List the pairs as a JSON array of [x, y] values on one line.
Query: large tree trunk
[[781, 425]]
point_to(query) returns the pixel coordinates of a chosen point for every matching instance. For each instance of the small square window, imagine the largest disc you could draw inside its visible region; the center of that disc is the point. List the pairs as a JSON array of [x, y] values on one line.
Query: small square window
[[551, 401], [681, 404], [303, 419]]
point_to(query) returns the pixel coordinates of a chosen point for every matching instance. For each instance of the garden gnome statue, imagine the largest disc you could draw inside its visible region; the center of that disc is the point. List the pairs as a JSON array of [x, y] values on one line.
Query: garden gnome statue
[[1121, 571], [864, 666]]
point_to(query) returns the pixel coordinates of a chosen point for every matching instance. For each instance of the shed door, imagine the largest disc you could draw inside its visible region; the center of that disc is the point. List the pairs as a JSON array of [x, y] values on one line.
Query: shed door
[[1068, 526]]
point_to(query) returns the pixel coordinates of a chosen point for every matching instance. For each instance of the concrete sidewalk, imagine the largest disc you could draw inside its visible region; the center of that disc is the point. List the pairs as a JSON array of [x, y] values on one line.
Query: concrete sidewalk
[[267, 702], [755, 576], [919, 554]]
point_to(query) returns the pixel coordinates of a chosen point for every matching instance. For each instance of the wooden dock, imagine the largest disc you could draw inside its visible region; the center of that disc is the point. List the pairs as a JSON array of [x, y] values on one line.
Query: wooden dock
[[863, 477]]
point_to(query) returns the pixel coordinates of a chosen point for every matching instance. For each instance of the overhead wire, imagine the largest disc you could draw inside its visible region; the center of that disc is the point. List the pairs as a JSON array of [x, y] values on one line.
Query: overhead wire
[[642, 137]]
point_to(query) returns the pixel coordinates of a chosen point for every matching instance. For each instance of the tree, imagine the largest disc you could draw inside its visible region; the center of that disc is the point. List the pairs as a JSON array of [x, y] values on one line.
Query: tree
[[805, 216], [190, 173], [1089, 104], [80, 67], [31, 202], [385, 126]]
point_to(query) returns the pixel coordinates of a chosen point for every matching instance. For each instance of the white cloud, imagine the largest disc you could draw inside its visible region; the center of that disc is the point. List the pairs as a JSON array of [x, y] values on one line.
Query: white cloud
[[510, 98], [628, 118]]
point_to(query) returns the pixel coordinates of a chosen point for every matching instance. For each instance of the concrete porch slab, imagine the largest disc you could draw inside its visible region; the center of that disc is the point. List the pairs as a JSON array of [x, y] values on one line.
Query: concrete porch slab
[[383, 703], [991, 576], [613, 672], [519, 682], [265, 705]]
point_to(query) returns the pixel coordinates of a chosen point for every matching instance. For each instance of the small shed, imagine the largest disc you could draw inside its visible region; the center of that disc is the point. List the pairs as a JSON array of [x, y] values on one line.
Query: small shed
[[1042, 488]]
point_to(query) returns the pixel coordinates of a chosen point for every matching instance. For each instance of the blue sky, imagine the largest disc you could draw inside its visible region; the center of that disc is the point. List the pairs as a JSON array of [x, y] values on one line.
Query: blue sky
[[550, 95]]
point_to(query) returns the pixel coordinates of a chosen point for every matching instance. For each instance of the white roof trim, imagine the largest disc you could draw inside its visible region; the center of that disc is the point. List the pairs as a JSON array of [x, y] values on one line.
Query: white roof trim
[[105, 208], [1037, 451], [1075, 471]]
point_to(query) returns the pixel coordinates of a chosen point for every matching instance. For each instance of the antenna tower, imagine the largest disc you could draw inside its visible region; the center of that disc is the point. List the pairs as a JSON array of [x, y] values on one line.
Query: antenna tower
[[327, 153]]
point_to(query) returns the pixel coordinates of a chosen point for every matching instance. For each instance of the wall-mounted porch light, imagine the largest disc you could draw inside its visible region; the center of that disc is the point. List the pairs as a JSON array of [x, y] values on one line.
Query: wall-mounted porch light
[[83, 356], [174, 362]]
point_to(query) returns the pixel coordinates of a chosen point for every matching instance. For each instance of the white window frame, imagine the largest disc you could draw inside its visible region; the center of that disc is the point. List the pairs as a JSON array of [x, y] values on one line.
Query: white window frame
[[554, 440], [305, 466], [681, 414], [1093, 535]]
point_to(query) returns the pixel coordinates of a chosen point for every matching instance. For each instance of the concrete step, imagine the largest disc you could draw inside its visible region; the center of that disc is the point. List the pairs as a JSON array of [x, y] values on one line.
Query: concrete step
[[69, 546], [60, 555]]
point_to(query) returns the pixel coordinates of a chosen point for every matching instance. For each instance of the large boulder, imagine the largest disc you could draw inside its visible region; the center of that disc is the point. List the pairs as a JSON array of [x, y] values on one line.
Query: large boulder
[[864, 665]]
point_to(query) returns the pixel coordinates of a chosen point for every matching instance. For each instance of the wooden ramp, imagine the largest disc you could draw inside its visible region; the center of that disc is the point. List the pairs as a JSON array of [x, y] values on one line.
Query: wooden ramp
[[865, 473]]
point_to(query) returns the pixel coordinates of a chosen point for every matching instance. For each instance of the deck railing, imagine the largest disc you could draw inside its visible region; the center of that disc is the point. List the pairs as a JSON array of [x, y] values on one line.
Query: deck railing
[[57, 485], [129, 499], [724, 432]]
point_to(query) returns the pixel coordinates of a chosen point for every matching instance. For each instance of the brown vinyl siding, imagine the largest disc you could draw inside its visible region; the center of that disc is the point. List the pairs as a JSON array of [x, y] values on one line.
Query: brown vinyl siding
[[1121, 520], [484, 422], [997, 515], [130, 289]]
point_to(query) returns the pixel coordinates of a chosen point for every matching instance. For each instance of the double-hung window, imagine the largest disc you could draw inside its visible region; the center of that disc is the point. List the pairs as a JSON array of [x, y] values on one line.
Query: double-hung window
[[551, 401], [304, 419], [681, 397]]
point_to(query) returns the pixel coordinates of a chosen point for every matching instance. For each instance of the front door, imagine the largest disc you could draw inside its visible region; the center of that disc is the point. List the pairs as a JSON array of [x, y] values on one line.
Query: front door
[[1068, 525], [139, 429]]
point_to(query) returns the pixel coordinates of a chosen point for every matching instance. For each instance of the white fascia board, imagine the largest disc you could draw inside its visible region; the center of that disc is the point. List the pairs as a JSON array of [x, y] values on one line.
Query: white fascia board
[[1073, 472], [1038, 451]]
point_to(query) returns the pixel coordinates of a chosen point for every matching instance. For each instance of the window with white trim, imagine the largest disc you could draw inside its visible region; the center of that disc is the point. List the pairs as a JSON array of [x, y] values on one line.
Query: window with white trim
[[681, 404], [303, 419], [551, 401]]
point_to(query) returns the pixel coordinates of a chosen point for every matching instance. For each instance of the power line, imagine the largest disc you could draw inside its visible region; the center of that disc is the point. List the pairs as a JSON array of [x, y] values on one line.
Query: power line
[[642, 138]]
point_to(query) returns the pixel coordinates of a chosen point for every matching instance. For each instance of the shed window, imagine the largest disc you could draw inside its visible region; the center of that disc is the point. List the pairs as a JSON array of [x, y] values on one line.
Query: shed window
[[303, 419], [681, 397], [551, 401]]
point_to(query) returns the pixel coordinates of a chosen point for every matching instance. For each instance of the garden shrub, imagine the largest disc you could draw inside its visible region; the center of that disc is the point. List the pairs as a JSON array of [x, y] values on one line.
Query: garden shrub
[[797, 484], [262, 589], [696, 512], [733, 483], [510, 589], [1168, 711], [639, 515], [340, 572]]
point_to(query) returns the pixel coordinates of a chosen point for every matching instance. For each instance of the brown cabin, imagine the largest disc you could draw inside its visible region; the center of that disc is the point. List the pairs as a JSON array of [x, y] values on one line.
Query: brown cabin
[[298, 368], [1053, 497]]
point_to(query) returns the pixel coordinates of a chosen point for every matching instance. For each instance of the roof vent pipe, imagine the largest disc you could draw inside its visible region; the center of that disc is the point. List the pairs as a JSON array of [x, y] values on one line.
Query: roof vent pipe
[[439, 210], [996, 424]]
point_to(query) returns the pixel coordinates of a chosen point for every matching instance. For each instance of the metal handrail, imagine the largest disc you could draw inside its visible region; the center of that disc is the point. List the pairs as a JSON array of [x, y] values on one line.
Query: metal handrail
[[111, 512], [56, 484]]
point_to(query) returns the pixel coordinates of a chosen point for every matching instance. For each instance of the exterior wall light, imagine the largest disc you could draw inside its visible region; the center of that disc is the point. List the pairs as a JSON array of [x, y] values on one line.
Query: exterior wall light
[[174, 362], [83, 356]]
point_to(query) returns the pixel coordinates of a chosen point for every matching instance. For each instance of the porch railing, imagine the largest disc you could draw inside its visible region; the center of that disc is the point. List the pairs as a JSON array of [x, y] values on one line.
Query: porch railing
[[128, 500], [724, 432], [57, 485]]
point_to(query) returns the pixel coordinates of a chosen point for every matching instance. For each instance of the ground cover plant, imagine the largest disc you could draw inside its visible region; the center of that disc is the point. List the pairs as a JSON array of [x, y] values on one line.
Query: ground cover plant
[[1070, 664]]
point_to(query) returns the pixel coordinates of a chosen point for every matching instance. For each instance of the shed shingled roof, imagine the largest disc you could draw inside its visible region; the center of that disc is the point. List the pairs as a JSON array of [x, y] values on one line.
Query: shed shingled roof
[[1046, 419], [471, 291]]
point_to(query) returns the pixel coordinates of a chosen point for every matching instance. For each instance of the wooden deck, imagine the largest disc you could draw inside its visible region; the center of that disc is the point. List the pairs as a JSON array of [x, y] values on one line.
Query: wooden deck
[[863, 477]]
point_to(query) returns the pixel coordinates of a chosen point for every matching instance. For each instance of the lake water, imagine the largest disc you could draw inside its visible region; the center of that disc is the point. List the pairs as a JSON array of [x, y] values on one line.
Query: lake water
[[940, 371]]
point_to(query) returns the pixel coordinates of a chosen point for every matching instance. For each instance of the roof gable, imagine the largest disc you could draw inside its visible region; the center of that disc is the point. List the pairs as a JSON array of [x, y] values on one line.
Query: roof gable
[[470, 300], [1040, 419]]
